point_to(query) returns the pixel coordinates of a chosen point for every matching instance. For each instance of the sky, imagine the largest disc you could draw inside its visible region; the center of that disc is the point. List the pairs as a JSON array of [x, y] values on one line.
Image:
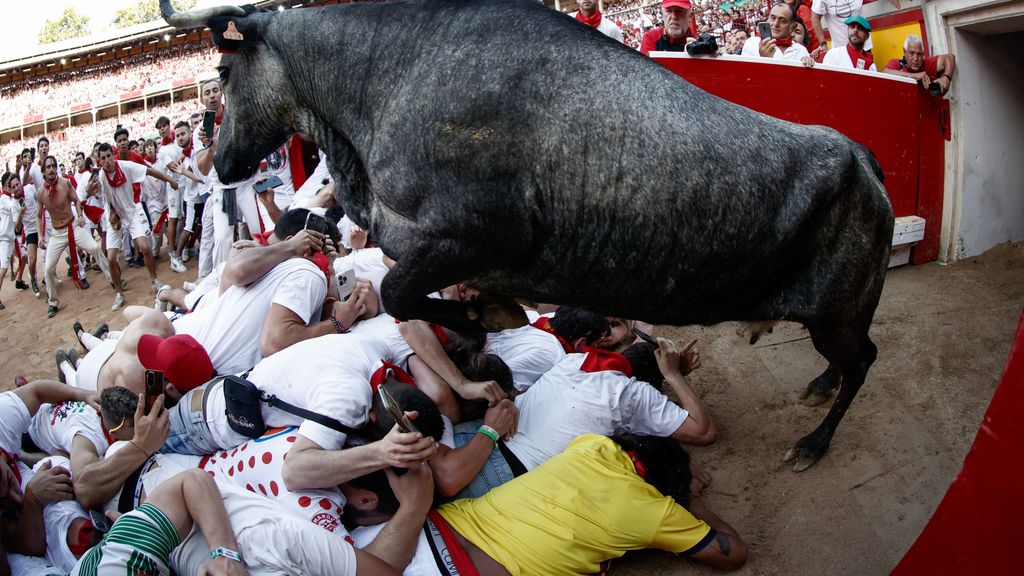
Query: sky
[[28, 19]]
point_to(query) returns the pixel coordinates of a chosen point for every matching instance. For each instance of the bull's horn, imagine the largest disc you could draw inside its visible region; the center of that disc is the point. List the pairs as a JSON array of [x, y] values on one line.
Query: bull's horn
[[196, 18]]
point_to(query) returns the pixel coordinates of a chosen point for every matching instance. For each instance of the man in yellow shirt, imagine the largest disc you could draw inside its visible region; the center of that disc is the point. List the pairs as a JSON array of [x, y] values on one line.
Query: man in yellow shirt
[[592, 503]]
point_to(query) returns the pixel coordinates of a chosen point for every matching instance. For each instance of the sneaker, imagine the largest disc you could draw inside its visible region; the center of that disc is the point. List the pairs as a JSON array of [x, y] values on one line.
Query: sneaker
[[79, 330], [85, 283], [20, 285], [61, 356], [35, 288], [101, 330], [51, 311], [73, 357], [118, 302], [186, 255], [177, 265], [188, 286]]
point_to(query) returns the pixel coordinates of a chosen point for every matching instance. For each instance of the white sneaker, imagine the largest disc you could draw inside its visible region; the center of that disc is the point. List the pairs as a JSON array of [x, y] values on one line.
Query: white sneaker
[[186, 255], [177, 266], [188, 286], [118, 302]]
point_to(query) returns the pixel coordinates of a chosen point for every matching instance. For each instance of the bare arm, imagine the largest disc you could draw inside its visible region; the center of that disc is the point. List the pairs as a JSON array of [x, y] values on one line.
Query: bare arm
[[698, 428], [727, 551], [41, 392], [309, 466], [396, 543], [946, 64], [267, 199], [455, 468], [204, 158], [153, 173], [819, 33], [282, 328], [28, 535], [425, 344]]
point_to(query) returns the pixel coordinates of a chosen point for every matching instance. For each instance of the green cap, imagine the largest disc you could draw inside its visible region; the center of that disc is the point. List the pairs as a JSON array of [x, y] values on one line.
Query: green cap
[[858, 19]]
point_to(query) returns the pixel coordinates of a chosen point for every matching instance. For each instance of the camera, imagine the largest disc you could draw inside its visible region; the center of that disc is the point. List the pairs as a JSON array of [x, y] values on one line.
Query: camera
[[704, 44], [935, 89]]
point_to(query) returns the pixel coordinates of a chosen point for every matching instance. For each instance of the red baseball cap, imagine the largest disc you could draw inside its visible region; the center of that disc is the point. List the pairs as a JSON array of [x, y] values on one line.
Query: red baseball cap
[[181, 358], [684, 4]]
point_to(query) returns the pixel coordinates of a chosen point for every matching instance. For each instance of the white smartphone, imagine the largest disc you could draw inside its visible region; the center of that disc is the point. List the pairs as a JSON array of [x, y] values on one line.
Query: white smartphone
[[346, 283]]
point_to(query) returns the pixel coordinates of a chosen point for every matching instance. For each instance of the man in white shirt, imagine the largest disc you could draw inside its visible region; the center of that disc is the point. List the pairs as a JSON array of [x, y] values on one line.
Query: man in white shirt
[[590, 15], [115, 181], [11, 212], [780, 45], [29, 198], [154, 197], [834, 13], [854, 54], [168, 154]]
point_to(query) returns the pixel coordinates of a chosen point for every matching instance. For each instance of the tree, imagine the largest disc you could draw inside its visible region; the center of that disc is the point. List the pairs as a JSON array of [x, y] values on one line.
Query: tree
[[70, 24], [145, 11]]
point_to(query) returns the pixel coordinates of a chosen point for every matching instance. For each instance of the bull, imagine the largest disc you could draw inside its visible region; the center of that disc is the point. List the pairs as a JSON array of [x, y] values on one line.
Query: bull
[[501, 143]]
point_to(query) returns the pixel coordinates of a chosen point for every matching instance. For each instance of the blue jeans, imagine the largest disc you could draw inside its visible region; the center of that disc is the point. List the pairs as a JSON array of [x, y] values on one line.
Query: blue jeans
[[190, 434], [495, 471]]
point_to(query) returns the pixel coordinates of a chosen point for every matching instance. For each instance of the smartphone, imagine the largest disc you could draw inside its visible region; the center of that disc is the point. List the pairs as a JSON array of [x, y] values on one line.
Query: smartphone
[[346, 283], [99, 521], [209, 118], [316, 222], [764, 30], [397, 414], [154, 387], [264, 185], [646, 337]]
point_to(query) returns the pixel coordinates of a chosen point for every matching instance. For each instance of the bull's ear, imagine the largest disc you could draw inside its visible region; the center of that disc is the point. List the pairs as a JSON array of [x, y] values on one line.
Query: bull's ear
[[233, 33]]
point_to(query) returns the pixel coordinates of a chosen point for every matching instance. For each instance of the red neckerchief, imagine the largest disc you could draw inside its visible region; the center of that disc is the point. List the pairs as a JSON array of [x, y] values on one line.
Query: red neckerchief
[[83, 170], [51, 189], [321, 262], [187, 152], [12, 461], [600, 360], [544, 323], [856, 57], [166, 141], [594, 20], [381, 375], [262, 237], [71, 178], [784, 43], [149, 161], [85, 535], [119, 177], [674, 41], [641, 470], [6, 193]]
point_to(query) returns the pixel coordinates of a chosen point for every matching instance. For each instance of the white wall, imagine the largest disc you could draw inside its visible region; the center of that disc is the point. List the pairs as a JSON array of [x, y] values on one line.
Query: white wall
[[991, 133]]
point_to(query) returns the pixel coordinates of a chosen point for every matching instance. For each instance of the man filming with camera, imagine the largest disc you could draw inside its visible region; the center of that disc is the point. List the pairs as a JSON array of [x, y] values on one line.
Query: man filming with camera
[[935, 74], [675, 35], [777, 37]]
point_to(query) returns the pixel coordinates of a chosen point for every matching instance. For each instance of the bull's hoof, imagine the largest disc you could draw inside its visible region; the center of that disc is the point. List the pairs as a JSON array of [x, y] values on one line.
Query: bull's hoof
[[813, 398], [820, 389], [806, 452]]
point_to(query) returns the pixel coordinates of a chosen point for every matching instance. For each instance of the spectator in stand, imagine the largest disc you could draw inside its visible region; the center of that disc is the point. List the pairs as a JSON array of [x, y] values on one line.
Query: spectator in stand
[[780, 44], [803, 12], [590, 14], [853, 54], [800, 33], [835, 14], [939, 68], [674, 36], [739, 37]]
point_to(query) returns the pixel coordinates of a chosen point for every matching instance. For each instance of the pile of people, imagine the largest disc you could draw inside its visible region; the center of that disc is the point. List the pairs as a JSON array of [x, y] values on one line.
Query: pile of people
[[273, 417]]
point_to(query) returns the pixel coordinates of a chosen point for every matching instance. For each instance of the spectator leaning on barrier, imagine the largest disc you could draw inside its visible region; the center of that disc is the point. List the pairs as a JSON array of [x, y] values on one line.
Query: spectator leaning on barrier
[[674, 36], [590, 14], [938, 69], [854, 54], [780, 45]]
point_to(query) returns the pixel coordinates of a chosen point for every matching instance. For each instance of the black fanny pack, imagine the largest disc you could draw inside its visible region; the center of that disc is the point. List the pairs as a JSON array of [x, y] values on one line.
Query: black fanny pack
[[244, 403]]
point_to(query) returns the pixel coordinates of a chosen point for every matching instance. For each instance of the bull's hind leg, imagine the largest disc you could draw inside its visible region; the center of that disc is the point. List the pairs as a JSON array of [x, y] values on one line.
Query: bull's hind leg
[[852, 357], [819, 389]]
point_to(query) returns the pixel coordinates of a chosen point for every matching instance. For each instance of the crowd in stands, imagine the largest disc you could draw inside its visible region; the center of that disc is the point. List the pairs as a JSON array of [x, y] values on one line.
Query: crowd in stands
[[106, 80], [638, 16]]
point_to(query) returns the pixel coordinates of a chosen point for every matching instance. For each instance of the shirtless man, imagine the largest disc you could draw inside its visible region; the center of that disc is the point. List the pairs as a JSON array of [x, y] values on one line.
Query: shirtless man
[[61, 202]]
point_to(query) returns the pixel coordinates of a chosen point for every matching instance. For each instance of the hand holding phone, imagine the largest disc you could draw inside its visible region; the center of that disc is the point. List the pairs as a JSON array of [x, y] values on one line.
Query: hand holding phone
[[316, 223], [764, 30], [395, 411], [346, 283], [264, 185], [154, 387], [646, 337], [209, 121]]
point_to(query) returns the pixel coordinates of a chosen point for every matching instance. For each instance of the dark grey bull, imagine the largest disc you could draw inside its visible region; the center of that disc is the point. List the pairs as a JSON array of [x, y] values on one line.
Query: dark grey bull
[[502, 143]]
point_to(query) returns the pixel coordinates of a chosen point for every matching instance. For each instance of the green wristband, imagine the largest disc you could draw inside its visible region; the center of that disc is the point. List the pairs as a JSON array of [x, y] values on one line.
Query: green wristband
[[490, 433]]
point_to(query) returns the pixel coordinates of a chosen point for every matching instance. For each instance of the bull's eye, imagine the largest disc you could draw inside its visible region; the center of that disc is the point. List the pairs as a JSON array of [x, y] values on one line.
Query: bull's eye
[[222, 71]]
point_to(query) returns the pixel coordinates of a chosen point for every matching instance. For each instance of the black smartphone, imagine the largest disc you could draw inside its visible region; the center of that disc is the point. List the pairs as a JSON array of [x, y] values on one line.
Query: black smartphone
[[646, 337], [396, 413], [264, 185], [99, 521], [316, 222], [154, 387], [764, 30], [209, 118]]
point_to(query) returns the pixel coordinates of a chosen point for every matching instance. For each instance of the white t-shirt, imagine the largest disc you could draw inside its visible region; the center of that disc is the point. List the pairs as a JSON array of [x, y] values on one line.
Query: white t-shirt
[[833, 18], [607, 27], [28, 220], [230, 329], [385, 328], [14, 421], [153, 191], [529, 352], [57, 519], [193, 189], [336, 384], [840, 58], [794, 51], [122, 198], [313, 183], [8, 215], [55, 425], [35, 173], [170, 153], [258, 466], [567, 402], [368, 263]]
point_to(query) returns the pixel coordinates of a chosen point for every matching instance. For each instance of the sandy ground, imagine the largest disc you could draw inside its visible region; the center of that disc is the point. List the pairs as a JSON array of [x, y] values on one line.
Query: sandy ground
[[943, 334]]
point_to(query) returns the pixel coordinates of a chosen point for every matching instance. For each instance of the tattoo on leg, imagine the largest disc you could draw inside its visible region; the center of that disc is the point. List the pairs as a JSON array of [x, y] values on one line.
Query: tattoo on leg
[[723, 543]]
